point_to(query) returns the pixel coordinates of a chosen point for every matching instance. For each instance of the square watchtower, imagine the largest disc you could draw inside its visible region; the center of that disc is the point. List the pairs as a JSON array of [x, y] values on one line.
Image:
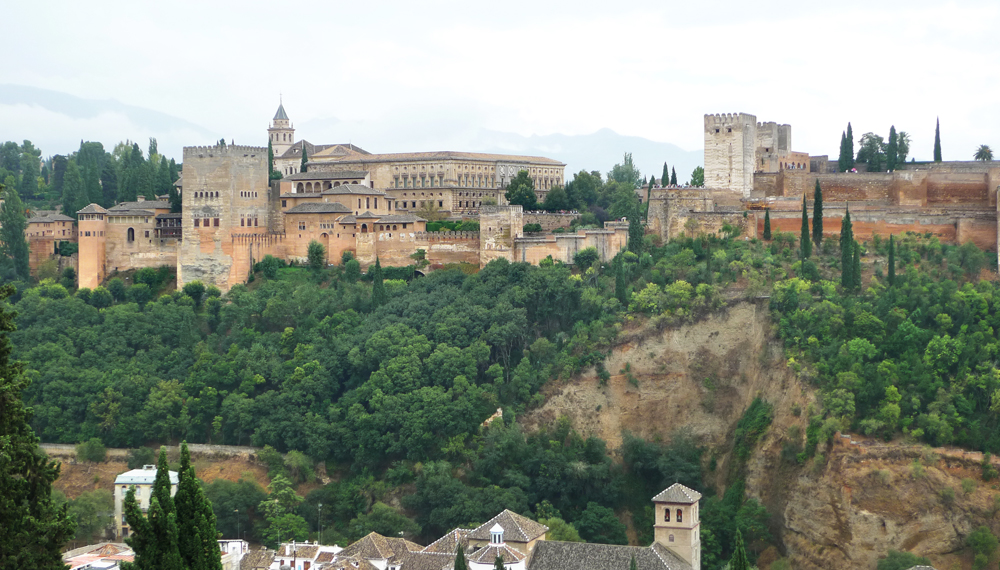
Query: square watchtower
[[676, 525], [730, 152]]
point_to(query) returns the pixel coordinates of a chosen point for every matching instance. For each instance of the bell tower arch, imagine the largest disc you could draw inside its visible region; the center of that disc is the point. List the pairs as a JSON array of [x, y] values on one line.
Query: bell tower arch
[[281, 134]]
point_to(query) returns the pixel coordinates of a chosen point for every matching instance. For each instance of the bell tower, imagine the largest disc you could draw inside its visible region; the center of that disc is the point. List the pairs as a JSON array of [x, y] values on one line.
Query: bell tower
[[676, 525], [281, 133]]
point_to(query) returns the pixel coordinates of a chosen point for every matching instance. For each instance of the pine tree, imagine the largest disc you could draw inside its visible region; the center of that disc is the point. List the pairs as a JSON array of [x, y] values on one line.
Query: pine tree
[[805, 244], [892, 150], [739, 560], [673, 176], [196, 533], [856, 267], [767, 225], [850, 147], [498, 563], [13, 245], [665, 177], [818, 215], [891, 274], [460, 563], [937, 141], [846, 251], [304, 167], [379, 294], [32, 528]]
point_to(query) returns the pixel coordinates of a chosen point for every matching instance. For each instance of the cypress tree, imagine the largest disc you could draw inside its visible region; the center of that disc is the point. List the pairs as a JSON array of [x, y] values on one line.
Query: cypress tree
[[109, 185], [303, 167], [665, 177], [155, 539], [850, 147], [937, 141], [460, 563], [891, 274], [843, 160], [13, 244], [196, 533], [673, 176], [856, 267], [892, 150], [632, 564], [805, 245], [846, 251], [739, 560], [379, 294], [498, 563], [270, 159], [32, 527], [174, 173], [767, 225], [818, 215], [635, 233], [621, 282], [73, 196]]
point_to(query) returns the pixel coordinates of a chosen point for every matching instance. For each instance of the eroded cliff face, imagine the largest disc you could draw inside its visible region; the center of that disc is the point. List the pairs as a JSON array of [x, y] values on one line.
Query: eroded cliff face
[[842, 512]]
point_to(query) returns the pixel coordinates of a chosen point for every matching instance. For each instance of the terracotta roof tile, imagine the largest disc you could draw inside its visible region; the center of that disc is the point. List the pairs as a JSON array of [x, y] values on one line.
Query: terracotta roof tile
[[678, 493], [515, 527]]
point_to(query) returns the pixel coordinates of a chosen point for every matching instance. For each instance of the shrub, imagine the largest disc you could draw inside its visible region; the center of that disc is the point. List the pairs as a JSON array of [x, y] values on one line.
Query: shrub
[[532, 228], [316, 255], [269, 266], [948, 496], [140, 456], [195, 290], [982, 541], [586, 257], [92, 450], [140, 294], [968, 485], [68, 248], [117, 289]]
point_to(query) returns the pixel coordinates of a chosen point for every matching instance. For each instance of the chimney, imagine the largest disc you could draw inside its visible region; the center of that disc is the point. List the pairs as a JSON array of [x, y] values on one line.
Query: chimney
[[141, 198]]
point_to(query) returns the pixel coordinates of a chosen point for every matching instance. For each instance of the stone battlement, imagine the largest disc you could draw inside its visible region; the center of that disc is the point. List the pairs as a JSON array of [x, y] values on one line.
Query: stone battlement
[[721, 119], [446, 236], [230, 150]]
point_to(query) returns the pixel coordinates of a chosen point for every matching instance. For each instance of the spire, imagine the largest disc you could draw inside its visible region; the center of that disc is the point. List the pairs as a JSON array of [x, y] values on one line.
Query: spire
[[280, 115]]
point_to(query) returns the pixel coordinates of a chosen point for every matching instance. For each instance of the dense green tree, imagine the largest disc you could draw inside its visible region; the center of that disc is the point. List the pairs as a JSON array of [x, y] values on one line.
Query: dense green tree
[[196, 533], [767, 224], [109, 185], [59, 164], [856, 268], [698, 176], [235, 505], [891, 263], [805, 244], [32, 527], [817, 229], [13, 244], [498, 563], [460, 563], [304, 165], [384, 520], [673, 176], [379, 295], [937, 141], [10, 157], [902, 148], [93, 513], [739, 560], [665, 177], [316, 255], [892, 150], [842, 160], [599, 524], [560, 530], [896, 560], [164, 184], [846, 251], [626, 173], [636, 230], [521, 190], [270, 160], [850, 146], [556, 200], [586, 257], [984, 153], [872, 152], [30, 170], [74, 196]]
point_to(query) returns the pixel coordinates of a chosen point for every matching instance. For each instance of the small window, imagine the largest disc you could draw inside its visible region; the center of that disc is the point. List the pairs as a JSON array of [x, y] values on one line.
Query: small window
[[680, 515], [196, 222], [670, 538], [242, 222], [216, 222], [302, 226], [666, 515], [147, 233], [284, 203]]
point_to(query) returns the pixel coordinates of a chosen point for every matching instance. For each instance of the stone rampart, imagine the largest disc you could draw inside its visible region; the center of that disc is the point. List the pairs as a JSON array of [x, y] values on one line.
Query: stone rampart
[[550, 220]]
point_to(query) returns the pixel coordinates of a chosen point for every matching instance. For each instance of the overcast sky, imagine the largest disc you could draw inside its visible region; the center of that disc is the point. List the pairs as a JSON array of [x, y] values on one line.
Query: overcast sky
[[436, 71]]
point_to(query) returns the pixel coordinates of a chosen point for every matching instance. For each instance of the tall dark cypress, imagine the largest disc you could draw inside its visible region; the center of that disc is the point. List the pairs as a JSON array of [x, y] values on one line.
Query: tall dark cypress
[[842, 159], [270, 159], [891, 274], [856, 267], [846, 251], [460, 563], [673, 176], [739, 560], [767, 225], [805, 244], [305, 159], [196, 532], [850, 147], [892, 150], [937, 141], [379, 294], [818, 215], [665, 177], [621, 282]]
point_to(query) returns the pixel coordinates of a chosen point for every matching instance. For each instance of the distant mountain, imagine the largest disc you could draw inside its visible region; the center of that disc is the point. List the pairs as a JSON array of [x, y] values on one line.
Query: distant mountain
[[56, 122]]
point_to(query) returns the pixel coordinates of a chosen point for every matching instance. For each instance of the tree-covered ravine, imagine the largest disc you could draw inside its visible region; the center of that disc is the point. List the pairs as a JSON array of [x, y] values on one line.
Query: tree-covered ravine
[[389, 391]]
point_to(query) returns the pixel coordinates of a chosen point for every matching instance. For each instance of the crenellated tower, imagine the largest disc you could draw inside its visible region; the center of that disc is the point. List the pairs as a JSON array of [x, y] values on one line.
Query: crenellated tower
[[730, 152], [281, 133]]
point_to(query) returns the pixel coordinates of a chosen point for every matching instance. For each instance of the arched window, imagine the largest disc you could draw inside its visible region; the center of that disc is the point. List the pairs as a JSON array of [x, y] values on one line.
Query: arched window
[[131, 234], [680, 515], [666, 515], [364, 228], [393, 228]]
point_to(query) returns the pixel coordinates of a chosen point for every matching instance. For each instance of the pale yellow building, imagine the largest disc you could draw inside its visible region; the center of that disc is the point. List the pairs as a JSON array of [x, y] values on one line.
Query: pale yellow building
[[142, 481]]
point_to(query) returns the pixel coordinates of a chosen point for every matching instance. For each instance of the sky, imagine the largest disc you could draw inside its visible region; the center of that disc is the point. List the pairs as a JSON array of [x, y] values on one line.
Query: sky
[[396, 76]]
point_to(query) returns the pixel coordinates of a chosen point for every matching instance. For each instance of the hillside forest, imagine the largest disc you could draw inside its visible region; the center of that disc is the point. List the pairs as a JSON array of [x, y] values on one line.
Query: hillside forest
[[383, 379]]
